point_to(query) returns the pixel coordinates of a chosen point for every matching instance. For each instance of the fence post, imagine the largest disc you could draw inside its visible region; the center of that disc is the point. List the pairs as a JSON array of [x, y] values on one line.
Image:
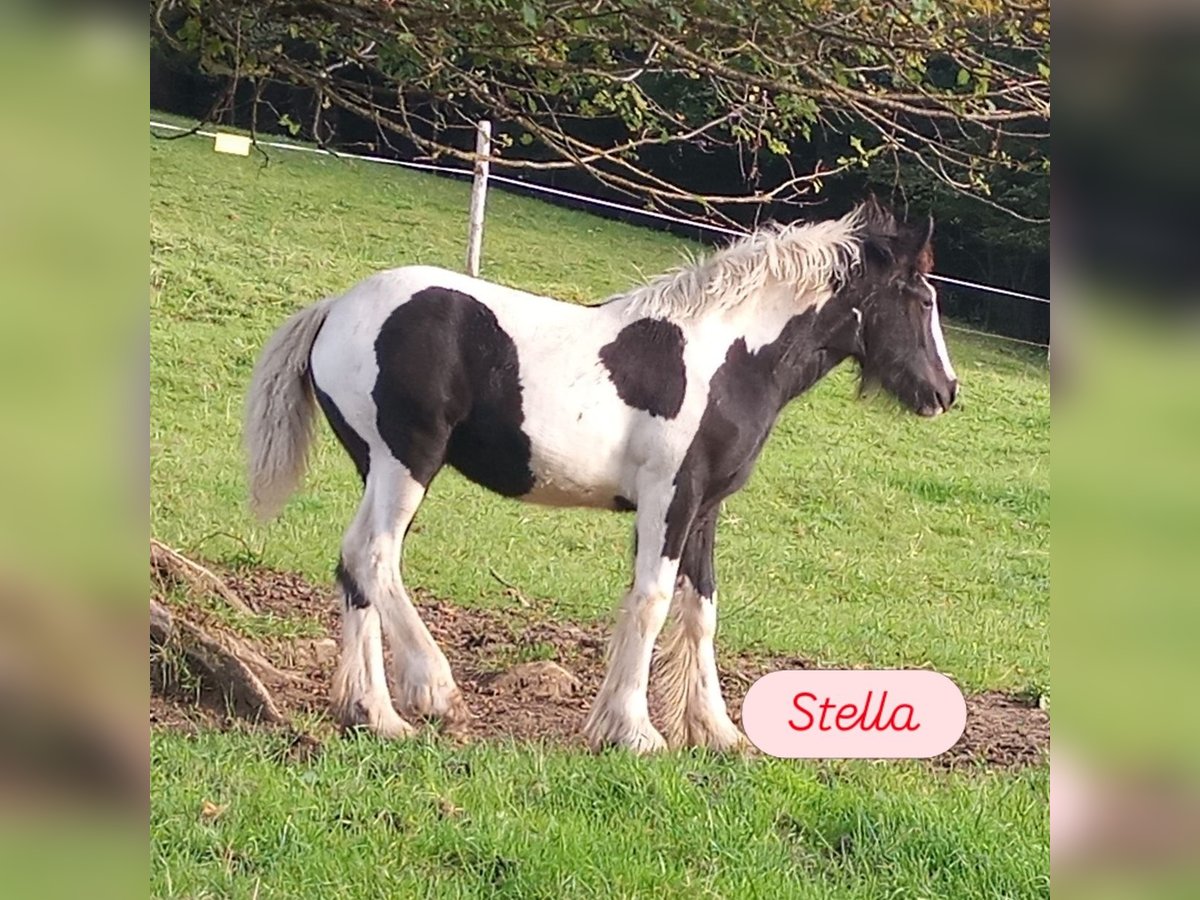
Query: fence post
[[483, 150]]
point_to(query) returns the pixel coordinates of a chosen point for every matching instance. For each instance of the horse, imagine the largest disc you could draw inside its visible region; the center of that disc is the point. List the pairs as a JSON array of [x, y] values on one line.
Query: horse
[[656, 401]]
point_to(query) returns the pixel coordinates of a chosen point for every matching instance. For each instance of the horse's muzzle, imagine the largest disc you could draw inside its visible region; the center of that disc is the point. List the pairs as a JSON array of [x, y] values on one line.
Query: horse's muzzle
[[947, 397]]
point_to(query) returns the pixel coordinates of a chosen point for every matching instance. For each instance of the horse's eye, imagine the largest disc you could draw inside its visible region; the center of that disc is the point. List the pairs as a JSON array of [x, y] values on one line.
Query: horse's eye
[[927, 303]]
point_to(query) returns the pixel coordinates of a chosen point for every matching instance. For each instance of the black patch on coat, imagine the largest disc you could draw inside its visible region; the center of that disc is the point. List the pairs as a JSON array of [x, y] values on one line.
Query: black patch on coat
[[746, 395], [623, 504], [354, 594], [449, 391], [347, 436], [645, 365], [696, 563]]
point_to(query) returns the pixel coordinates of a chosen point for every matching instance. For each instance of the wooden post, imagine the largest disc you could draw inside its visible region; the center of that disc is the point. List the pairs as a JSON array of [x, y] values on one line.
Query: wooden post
[[483, 150]]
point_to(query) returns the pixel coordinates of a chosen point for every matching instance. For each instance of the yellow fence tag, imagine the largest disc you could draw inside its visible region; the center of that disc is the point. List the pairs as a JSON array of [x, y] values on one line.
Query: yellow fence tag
[[237, 144]]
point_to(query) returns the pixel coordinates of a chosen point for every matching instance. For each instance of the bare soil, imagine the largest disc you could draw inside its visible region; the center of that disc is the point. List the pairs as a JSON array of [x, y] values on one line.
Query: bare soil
[[525, 677]]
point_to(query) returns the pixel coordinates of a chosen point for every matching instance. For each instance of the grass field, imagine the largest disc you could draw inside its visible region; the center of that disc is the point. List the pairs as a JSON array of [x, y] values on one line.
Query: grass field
[[866, 536]]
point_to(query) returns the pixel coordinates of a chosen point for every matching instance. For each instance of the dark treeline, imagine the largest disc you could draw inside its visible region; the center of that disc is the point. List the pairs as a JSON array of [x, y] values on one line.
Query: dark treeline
[[974, 242]]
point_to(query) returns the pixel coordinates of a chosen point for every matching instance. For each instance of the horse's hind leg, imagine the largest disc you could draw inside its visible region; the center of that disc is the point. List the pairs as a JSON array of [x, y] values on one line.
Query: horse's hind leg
[[376, 601], [359, 693], [424, 684], [687, 665]]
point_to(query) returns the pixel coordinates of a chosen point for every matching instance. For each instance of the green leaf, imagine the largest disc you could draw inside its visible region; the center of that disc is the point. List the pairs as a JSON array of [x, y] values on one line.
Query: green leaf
[[529, 14], [963, 77]]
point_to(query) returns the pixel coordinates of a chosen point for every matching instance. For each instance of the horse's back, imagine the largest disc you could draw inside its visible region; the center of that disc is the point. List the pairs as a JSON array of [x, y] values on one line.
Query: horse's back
[[444, 311], [391, 288], [430, 365]]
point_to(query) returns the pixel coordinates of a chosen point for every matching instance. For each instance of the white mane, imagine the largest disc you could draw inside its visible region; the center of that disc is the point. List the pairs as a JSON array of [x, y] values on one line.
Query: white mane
[[812, 257]]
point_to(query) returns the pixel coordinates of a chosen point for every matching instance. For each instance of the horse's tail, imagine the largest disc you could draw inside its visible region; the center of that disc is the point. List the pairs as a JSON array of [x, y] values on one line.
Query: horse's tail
[[280, 410]]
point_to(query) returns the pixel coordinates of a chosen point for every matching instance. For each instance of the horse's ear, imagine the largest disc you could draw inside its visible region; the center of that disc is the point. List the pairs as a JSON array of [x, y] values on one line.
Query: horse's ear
[[878, 218], [924, 246], [924, 231]]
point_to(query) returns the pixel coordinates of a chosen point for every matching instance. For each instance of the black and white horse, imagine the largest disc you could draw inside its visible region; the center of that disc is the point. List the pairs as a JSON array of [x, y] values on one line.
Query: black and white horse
[[657, 401]]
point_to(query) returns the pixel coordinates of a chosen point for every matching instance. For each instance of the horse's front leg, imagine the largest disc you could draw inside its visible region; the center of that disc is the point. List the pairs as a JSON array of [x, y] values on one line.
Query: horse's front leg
[[621, 714], [687, 665]]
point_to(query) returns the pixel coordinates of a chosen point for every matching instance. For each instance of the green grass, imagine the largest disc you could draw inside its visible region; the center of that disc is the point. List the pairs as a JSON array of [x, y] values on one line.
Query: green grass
[[866, 536], [373, 820]]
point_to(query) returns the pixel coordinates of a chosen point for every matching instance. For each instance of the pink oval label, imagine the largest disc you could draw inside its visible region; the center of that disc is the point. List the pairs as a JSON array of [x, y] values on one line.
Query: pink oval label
[[876, 714]]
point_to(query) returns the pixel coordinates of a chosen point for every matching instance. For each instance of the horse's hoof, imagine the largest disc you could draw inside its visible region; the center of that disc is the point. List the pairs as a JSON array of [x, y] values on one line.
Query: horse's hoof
[[457, 715], [715, 732], [442, 703], [646, 740], [739, 746], [382, 721], [725, 739], [637, 737]]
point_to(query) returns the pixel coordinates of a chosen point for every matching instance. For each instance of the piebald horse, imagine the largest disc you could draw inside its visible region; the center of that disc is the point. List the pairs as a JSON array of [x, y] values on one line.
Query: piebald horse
[[656, 402]]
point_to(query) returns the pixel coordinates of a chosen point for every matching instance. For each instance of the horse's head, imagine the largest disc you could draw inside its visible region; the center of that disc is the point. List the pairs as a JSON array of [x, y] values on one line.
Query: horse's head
[[899, 344]]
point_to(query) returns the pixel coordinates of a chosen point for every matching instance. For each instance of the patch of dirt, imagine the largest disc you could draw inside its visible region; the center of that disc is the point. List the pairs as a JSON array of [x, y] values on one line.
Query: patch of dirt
[[182, 714], [541, 680], [513, 691], [1002, 730]]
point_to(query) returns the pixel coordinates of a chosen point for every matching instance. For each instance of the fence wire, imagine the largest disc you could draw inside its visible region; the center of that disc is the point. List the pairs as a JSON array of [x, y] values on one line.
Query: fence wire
[[608, 204]]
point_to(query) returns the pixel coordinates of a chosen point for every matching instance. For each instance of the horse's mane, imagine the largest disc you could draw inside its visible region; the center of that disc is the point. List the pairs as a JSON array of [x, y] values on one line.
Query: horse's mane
[[811, 257]]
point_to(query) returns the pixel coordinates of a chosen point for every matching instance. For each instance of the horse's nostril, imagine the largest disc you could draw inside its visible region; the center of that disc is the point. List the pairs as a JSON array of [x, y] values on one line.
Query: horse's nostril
[[953, 393]]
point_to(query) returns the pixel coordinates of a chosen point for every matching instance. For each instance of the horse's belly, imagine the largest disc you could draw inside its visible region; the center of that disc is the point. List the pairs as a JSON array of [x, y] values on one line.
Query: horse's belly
[[579, 433], [592, 449], [585, 473], [551, 493]]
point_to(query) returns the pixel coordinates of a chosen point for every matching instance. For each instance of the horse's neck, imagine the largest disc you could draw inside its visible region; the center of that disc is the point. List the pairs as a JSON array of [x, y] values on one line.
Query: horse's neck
[[792, 349], [783, 346], [762, 322], [801, 372]]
